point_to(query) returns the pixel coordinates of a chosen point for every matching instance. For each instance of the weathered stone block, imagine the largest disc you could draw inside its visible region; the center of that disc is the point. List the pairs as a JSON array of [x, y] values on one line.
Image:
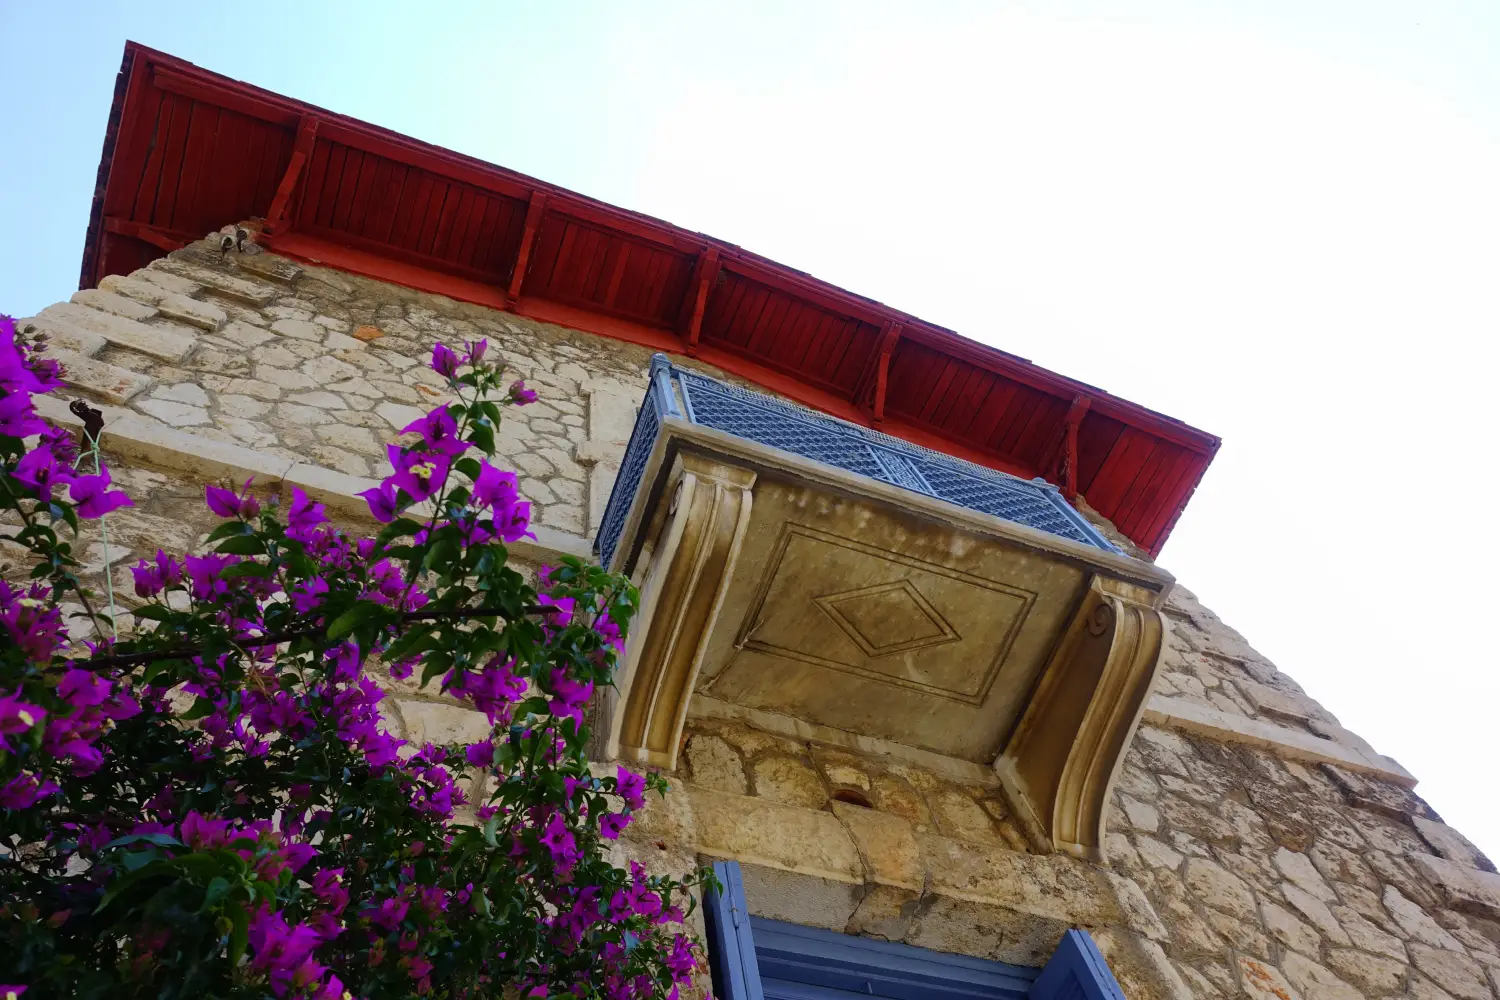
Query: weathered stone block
[[265, 265], [1451, 844], [251, 293], [887, 847], [437, 722], [1269, 700], [970, 927], [1262, 981], [776, 836], [110, 302], [1373, 975], [118, 330], [1453, 971], [786, 779], [299, 329], [715, 765], [778, 894], [150, 284], [167, 281], [173, 413], [1463, 887], [1365, 936], [193, 312], [109, 382], [1218, 888], [1415, 921], [1315, 910], [61, 337], [1299, 869], [1290, 931], [1315, 981], [1294, 744]]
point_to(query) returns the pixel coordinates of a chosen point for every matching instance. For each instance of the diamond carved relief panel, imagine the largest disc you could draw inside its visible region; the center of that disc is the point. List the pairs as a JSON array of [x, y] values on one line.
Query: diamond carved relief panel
[[910, 623], [887, 618]]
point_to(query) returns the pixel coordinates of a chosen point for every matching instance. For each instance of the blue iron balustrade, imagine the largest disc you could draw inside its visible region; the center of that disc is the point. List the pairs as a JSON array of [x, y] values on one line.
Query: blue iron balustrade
[[679, 393]]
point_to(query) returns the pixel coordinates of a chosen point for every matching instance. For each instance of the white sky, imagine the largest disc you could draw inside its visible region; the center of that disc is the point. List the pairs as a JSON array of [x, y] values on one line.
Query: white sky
[[1275, 220]]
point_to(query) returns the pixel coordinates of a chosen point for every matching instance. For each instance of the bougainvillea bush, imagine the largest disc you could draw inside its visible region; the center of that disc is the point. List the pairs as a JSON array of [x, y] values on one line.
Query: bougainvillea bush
[[211, 805]]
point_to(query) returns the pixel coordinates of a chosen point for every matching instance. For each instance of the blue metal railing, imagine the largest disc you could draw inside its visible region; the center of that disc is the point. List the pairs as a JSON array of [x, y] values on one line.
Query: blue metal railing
[[779, 424]]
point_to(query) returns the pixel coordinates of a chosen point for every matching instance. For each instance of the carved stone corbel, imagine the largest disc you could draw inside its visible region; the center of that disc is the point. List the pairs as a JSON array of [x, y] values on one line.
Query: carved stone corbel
[[1061, 760], [692, 545]]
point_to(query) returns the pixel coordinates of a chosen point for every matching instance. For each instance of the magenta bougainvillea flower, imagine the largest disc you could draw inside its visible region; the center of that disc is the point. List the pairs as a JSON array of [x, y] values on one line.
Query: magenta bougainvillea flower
[[93, 496], [228, 503], [235, 746], [444, 361]]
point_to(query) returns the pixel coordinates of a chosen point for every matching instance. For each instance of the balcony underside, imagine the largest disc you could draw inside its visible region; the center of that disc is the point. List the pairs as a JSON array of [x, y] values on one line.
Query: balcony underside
[[783, 584]]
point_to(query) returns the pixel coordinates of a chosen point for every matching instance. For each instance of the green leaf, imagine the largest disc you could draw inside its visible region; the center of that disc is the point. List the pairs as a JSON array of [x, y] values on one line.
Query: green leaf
[[482, 438], [239, 933], [163, 839], [125, 882], [216, 891], [228, 529], [398, 528], [247, 569], [346, 622], [243, 545]]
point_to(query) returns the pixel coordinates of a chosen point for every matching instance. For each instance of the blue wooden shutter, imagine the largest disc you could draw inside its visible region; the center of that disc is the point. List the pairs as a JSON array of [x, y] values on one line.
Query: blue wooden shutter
[[731, 949], [1076, 972]]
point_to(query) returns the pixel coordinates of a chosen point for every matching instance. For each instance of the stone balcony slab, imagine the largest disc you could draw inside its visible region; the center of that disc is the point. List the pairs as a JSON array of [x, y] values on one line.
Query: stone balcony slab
[[799, 566]]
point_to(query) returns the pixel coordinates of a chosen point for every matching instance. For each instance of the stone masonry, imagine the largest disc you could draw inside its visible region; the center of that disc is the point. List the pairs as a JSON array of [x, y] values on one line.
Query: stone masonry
[[1255, 847]]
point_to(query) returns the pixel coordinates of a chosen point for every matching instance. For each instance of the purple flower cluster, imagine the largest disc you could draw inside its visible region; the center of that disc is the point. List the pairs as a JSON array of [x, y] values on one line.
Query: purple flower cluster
[[285, 774]]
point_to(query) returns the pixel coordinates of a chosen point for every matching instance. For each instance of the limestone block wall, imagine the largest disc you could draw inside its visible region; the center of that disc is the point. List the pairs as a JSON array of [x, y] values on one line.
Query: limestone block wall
[[1255, 847], [311, 365]]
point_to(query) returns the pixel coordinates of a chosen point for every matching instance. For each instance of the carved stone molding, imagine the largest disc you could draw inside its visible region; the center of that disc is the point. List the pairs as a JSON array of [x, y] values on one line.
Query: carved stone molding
[[1061, 760], [692, 544]]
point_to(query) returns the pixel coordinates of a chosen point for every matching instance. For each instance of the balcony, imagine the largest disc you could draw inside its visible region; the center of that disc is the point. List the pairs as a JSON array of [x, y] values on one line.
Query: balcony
[[801, 565]]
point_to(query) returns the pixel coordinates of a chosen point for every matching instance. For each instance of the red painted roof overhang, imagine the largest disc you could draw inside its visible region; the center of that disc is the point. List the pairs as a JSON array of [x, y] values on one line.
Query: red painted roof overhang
[[188, 151]]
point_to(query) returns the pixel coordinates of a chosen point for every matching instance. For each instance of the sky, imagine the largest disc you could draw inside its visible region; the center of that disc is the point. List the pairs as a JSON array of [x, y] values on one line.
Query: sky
[[1277, 220]]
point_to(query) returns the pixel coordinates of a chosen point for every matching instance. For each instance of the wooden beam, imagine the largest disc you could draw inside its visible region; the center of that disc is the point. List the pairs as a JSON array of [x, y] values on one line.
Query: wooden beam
[[705, 273], [239, 99], [165, 239], [1069, 476], [280, 214], [888, 338], [534, 210]]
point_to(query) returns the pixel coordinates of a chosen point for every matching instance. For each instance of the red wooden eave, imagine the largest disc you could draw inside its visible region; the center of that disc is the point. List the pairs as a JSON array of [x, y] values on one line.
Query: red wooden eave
[[187, 151]]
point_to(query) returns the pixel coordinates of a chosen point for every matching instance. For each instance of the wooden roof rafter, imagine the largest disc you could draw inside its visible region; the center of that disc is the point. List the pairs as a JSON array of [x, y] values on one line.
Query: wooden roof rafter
[[188, 151]]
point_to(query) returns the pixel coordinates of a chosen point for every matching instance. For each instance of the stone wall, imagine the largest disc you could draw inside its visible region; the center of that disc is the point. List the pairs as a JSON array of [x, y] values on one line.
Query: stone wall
[[1256, 847]]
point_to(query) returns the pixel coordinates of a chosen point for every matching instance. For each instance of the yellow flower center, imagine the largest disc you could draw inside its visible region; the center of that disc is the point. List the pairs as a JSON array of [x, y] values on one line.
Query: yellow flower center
[[423, 470], [30, 720]]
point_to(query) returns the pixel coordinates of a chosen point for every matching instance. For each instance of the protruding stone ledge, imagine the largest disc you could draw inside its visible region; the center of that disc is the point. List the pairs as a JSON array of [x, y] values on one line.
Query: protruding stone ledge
[[70, 317], [110, 302], [110, 382], [251, 293], [1463, 888], [1293, 744]]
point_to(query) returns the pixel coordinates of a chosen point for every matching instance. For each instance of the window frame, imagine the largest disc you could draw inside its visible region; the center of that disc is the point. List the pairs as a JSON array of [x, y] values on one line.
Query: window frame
[[756, 958]]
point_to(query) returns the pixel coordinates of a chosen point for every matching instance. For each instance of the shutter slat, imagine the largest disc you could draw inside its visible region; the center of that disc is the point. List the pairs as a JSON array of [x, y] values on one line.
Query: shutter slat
[[731, 950]]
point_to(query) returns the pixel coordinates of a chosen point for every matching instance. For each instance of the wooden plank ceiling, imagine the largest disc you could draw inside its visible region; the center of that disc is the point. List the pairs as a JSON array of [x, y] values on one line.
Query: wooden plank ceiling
[[188, 151]]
